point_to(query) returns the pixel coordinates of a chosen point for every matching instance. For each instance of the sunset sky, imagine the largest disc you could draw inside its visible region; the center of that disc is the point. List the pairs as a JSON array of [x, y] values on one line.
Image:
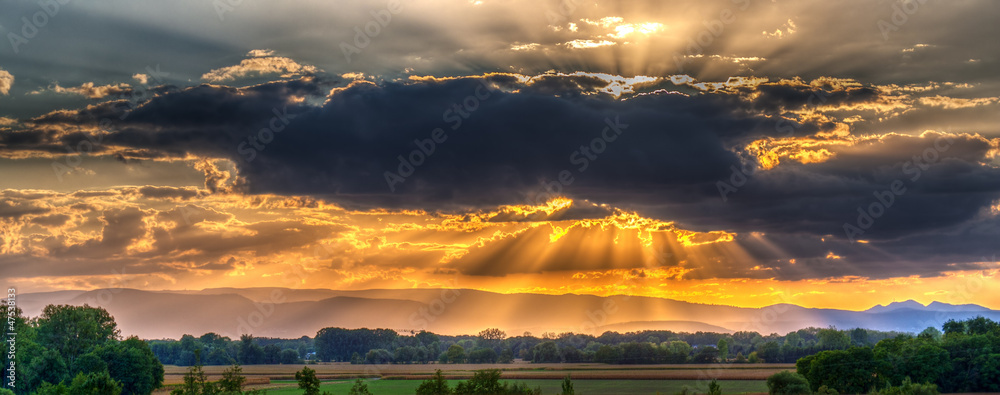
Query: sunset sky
[[836, 154]]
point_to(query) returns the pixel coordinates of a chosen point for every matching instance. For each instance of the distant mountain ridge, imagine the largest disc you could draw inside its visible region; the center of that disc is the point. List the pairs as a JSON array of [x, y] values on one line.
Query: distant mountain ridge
[[292, 313], [933, 306]]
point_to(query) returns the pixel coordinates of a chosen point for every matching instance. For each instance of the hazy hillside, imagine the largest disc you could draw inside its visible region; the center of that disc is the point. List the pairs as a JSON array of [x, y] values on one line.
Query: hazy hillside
[[230, 311]]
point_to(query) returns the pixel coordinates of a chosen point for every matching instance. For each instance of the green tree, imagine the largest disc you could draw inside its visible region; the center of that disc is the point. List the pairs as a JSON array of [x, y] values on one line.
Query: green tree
[[271, 354], [677, 351], [359, 388], [706, 354], [908, 388], [72, 330], [89, 363], [859, 337], [308, 381], [483, 355], [546, 352], [567, 386], [824, 390], [989, 372], [483, 382], [95, 383], [981, 326], [195, 383], [714, 388], [456, 354], [787, 383], [931, 333], [832, 339], [723, 347], [608, 354], [506, 356], [52, 389], [852, 371], [232, 379], [132, 363], [379, 355], [436, 385], [491, 337], [427, 338], [49, 367], [249, 352], [289, 356], [770, 352], [953, 327]]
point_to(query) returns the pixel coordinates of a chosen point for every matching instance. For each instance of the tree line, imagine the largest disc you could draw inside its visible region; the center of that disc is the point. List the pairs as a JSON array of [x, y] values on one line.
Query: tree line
[[213, 349], [492, 345]]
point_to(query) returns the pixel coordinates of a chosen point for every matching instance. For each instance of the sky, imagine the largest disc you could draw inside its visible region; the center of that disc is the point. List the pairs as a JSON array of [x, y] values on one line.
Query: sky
[[740, 152]]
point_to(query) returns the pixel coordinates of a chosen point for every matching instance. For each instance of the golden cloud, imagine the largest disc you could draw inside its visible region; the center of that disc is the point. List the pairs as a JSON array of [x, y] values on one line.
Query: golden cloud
[[258, 66], [88, 90]]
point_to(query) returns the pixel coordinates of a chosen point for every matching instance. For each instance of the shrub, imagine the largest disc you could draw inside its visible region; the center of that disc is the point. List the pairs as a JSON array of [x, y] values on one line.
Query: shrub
[[308, 381], [232, 379], [359, 388], [824, 390], [487, 382], [788, 383], [378, 356], [908, 388], [567, 386], [436, 385], [714, 388], [95, 383]]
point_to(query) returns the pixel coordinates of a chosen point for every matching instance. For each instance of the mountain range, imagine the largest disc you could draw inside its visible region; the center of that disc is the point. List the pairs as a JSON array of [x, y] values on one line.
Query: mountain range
[[292, 313]]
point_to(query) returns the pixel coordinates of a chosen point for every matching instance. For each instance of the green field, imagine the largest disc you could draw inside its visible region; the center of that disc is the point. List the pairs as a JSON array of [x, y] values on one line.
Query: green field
[[549, 387]]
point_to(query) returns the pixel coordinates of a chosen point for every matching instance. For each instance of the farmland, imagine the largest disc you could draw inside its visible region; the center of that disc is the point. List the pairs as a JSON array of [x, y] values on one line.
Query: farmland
[[589, 378], [515, 371], [604, 387]]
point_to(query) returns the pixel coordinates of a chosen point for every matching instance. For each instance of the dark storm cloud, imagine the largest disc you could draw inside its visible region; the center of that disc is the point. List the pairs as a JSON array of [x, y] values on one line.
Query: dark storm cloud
[[499, 147], [505, 148], [951, 188]]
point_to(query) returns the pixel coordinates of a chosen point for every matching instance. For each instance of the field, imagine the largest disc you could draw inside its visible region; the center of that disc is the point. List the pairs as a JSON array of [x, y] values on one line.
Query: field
[[588, 378], [610, 387]]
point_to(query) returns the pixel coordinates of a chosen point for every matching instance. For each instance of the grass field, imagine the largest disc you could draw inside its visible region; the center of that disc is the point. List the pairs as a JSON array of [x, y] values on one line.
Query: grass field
[[588, 378], [515, 371], [549, 387]]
